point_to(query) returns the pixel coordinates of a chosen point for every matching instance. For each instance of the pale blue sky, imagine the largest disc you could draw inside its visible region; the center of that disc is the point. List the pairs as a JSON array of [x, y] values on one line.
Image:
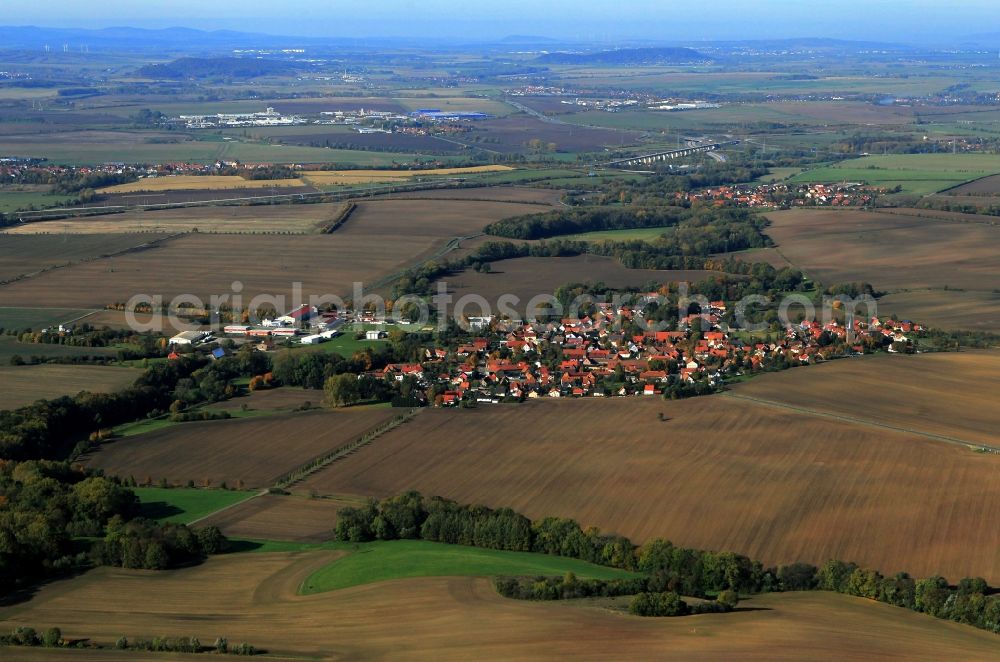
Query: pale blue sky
[[667, 20]]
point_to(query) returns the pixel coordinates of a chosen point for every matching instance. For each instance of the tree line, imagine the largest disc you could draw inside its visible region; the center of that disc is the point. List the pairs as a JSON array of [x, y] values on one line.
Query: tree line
[[668, 570], [58, 428], [53, 638], [589, 219], [689, 244], [49, 510]]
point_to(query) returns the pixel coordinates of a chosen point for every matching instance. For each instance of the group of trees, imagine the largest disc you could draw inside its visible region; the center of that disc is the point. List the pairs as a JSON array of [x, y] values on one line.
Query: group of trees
[[688, 244], [410, 515], [70, 181], [567, 587], [588, 219], [658, 190], [148, 545], [86, 335], [968, 602], [48, 429], [52, 638], [47, 509], [45, 505], [668, 571]]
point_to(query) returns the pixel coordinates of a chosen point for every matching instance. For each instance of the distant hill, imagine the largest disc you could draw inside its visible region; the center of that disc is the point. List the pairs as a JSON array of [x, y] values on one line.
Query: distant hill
[[137, 39], [625, 56], [808, 42], [527, 39], [219, 67]]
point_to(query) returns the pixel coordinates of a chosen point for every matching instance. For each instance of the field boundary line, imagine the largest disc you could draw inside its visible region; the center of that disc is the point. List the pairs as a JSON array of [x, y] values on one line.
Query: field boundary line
[[225, 508], [956, 441], [337, 221], [299, 473], [453, 244], [154, 243], [965, 183], [929, 215]]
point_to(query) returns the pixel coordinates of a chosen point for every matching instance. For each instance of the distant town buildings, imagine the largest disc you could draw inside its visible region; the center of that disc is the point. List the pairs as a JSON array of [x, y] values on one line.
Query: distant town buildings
[[269, 117]]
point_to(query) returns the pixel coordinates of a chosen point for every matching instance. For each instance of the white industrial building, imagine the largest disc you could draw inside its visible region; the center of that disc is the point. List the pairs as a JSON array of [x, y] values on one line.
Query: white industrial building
[[188, 338]]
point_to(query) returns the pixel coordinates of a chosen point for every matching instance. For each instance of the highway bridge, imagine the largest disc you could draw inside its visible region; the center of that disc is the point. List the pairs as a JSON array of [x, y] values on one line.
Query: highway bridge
[[650, 159]]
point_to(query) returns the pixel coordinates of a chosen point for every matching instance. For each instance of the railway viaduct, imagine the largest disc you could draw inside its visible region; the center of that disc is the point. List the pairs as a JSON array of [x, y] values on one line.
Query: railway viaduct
[[649, 159]]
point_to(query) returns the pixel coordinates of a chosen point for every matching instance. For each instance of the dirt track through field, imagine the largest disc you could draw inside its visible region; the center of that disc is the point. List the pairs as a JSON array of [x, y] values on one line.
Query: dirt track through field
[[861, 421], [283, 585]]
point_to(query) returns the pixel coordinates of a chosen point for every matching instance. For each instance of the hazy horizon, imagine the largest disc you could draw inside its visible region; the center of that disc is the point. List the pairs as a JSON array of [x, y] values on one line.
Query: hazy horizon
[[913, 21]]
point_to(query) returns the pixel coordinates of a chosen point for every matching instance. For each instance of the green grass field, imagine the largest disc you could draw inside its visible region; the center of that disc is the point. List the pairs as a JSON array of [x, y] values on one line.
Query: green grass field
[[346, 343], [668, 80], [397, 559], [199, 151], [183, 505], [19, 200], [140, 427], [640, 234], [778, 174], [921, 174], [38, 318], [9, 346]]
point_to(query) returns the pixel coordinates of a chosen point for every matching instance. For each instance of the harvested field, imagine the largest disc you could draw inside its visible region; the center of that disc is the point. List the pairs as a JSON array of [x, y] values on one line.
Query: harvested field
[[198, 182], [422, 220], [527, 277], [271, 517], [722, 473], [344, 177], [921, 392], [986, 186], [10, 347], [772, 256], [22, 385], [891, 251], [946, 309], [497, 193], [38, 318], [286, 398], [938, 215], [252, 597], [20, 256], [255, 451], [916, 173], [178, 197], [116, 319], [981, 201], [405, 232], [257, 219], [513, 134], [83, 147]]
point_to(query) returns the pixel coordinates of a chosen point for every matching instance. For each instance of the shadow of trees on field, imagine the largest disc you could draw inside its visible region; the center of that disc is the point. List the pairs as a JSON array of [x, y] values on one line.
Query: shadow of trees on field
[[158, 510]]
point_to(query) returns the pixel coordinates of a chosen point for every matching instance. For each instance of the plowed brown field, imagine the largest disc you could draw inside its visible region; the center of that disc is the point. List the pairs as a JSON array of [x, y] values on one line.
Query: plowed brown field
[[722, 473], [891, 251], [381, 237], [279, 518], [951, 395], [253, 450], [252, 597], [255, 219]]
